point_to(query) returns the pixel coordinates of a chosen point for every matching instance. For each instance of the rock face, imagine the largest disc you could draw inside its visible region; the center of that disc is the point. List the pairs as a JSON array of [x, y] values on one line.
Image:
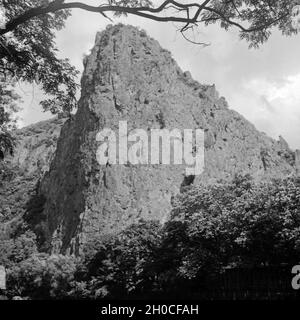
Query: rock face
[[19, 175], [128, 76]]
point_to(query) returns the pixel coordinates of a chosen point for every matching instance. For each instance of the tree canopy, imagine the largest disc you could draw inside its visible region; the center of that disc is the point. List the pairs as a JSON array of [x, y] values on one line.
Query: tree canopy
[[28, 53], [234, 225], [8, 106]]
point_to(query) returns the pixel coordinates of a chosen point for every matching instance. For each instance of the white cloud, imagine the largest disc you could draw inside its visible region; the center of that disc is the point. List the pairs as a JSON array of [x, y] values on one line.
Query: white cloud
[[288, 89], [273, 106]]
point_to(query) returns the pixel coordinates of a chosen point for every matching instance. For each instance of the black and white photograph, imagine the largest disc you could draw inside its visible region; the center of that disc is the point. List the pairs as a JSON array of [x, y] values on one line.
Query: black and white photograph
[[149, 151]]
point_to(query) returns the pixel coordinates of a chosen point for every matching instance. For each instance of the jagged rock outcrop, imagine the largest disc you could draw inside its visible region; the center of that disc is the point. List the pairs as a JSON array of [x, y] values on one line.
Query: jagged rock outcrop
[[128, 76], [19, 175], [297, 162]]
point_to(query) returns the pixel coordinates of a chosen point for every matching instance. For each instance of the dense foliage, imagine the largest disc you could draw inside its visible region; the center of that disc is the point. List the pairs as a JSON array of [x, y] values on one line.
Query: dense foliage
[[13, 251], [42, 276], [239, 224], [8, 109], [29, 54], [212, 228]]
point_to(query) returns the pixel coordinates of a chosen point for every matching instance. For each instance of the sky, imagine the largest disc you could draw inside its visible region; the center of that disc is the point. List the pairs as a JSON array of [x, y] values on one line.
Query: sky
[[261, 84]]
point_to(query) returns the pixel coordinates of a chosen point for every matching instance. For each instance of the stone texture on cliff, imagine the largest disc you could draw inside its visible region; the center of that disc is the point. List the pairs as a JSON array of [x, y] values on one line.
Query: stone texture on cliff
[[128, 76], [19, 175]]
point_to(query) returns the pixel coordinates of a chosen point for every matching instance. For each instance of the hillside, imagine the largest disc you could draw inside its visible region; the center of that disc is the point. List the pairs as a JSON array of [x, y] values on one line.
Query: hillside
[[20, 174]]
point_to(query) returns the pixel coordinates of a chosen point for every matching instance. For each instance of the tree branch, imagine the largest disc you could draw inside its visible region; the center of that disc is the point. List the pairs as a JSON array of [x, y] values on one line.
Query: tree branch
[[145, 12], [254, 29]]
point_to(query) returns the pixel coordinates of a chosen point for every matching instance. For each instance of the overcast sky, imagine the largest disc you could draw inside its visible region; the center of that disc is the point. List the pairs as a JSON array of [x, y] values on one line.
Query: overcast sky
[[263, 85]]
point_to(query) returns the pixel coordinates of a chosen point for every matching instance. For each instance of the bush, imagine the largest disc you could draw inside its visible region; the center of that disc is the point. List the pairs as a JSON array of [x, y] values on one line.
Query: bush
[[42, 276], [125, 264], [13, 251]]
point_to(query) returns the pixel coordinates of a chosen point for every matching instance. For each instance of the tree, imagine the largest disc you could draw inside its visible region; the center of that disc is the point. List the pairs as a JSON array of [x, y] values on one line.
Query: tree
[[8, 107], [13, 251], [124, 264], [42, 276], [28, 53], [241, 223]]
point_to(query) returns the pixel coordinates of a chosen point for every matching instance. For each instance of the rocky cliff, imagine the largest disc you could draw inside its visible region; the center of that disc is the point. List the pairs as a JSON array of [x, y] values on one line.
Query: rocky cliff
[[20, 174], [128, 76]]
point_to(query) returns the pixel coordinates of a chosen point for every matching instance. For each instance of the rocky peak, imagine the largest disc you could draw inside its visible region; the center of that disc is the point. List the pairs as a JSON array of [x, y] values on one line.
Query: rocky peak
[[128, 76], [297, 161]]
